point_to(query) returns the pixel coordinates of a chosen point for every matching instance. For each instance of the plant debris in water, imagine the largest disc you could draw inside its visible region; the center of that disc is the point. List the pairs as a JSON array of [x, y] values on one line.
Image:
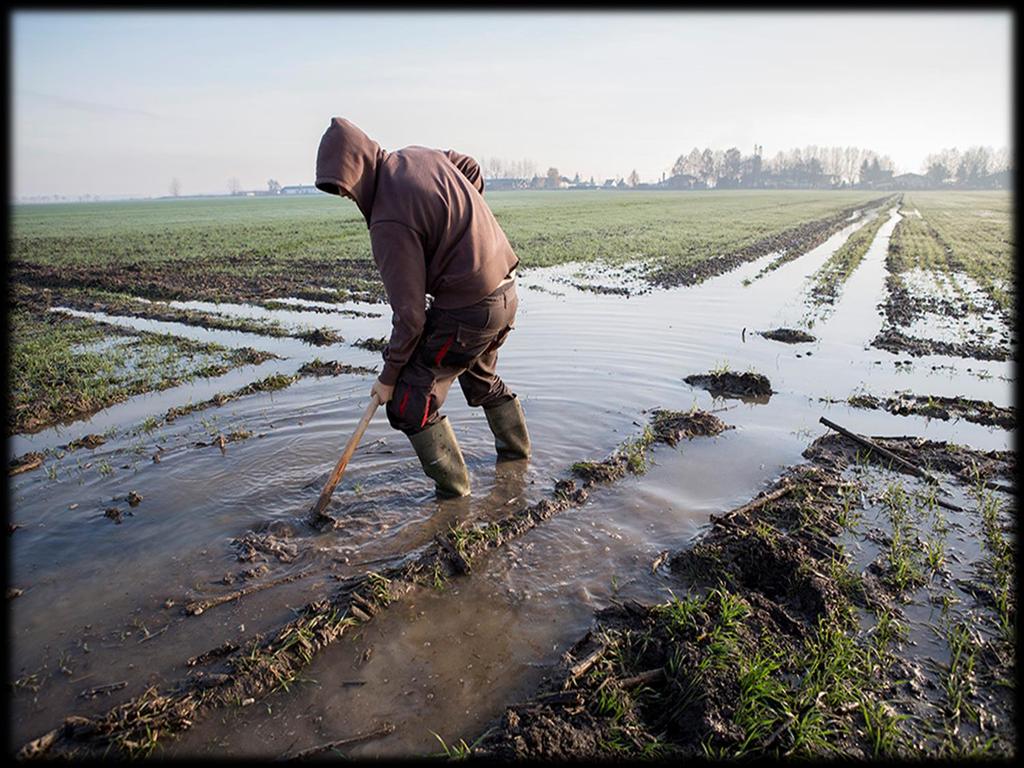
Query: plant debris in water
[[25, 463], [321, 337], [373, 344], [731, 384], [318, 367]]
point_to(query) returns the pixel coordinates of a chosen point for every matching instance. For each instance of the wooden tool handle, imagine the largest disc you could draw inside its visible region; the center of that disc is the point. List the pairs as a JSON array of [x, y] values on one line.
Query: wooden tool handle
[[339, 468]]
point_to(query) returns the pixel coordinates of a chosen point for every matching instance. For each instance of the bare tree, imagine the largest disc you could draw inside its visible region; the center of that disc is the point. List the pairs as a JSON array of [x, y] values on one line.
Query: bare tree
[[175, 187], [634, 178], [273, 187], [234, 185]]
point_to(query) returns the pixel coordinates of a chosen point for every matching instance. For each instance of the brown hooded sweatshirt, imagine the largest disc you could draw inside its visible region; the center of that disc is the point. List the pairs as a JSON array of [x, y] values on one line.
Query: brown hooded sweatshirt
[[430, 229]]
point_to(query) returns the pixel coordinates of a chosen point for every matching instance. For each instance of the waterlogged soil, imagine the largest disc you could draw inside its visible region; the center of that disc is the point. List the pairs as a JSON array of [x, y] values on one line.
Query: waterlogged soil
[[471, 601], [775, 643], [785, 246], [945, 408], [239, 672], [939, 310]]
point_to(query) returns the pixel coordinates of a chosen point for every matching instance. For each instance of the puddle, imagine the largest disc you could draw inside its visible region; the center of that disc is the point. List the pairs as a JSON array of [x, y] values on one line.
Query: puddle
[[587, 367]]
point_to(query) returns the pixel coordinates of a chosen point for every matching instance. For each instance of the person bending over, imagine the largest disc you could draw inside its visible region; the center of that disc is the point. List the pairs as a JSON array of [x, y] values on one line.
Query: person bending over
[[450, 277]]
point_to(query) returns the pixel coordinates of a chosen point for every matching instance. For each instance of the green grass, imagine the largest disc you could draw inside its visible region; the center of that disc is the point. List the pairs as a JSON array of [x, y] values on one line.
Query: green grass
[[261, 235], [976, 228], [63, 368]]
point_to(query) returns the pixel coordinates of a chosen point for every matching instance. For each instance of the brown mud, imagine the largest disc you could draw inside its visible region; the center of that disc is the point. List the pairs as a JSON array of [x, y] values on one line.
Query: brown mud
[[940, 407], [762, 650], [730, 384]]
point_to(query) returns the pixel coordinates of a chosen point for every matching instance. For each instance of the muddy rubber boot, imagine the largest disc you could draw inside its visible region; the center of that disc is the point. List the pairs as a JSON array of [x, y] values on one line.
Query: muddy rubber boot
[[438, 452], [508, 424]]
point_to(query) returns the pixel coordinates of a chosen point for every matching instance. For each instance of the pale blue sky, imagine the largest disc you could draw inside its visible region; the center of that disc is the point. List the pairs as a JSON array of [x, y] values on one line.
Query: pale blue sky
[[121, 102]]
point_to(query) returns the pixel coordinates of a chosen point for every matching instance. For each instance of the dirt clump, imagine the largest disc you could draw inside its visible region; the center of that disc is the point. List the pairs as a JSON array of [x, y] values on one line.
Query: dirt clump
[[272, 539], [672, 426], [320, 367], [25, 463], [88, 441], [731, 384], [789, 335], [116, 514], [321, 337], [373, 344]]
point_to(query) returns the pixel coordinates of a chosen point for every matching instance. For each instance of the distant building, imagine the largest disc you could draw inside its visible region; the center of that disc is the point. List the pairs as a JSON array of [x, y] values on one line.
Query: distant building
[[300, 189]]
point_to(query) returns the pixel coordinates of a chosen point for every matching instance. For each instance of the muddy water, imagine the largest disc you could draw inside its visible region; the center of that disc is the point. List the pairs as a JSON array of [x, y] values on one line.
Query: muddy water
[[587, 367]]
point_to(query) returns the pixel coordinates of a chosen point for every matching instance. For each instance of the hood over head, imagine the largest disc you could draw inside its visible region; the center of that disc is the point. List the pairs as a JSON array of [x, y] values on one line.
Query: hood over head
[[347, 163]]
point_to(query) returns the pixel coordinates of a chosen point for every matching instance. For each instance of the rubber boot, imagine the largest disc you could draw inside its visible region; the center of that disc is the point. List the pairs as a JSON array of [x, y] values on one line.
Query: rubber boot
[[438, 452], [508, 424]]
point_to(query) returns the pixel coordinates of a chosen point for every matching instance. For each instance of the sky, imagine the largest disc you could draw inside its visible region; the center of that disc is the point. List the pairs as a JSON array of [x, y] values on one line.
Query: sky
[[120, 103]]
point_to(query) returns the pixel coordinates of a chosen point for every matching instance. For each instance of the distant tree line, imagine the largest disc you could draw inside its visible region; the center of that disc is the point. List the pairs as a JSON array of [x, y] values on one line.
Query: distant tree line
[[811, 167]]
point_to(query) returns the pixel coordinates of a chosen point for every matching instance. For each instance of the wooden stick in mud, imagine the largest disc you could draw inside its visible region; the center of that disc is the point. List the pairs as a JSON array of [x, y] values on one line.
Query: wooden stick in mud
[[750, 506], [316, 514], [196, 607], [384, 730], [912, 468]]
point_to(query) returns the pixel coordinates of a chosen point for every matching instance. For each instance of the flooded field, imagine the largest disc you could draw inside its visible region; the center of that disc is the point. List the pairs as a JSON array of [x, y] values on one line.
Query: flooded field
[[173, 524]]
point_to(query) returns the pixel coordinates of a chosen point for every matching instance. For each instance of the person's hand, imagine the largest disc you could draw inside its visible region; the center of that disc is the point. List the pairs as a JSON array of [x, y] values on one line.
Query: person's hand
[[382, 391]]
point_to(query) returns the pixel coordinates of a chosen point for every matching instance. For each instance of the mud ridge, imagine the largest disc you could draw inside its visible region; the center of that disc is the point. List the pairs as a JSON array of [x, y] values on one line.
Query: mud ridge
[[896, 341], [939, 407]]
